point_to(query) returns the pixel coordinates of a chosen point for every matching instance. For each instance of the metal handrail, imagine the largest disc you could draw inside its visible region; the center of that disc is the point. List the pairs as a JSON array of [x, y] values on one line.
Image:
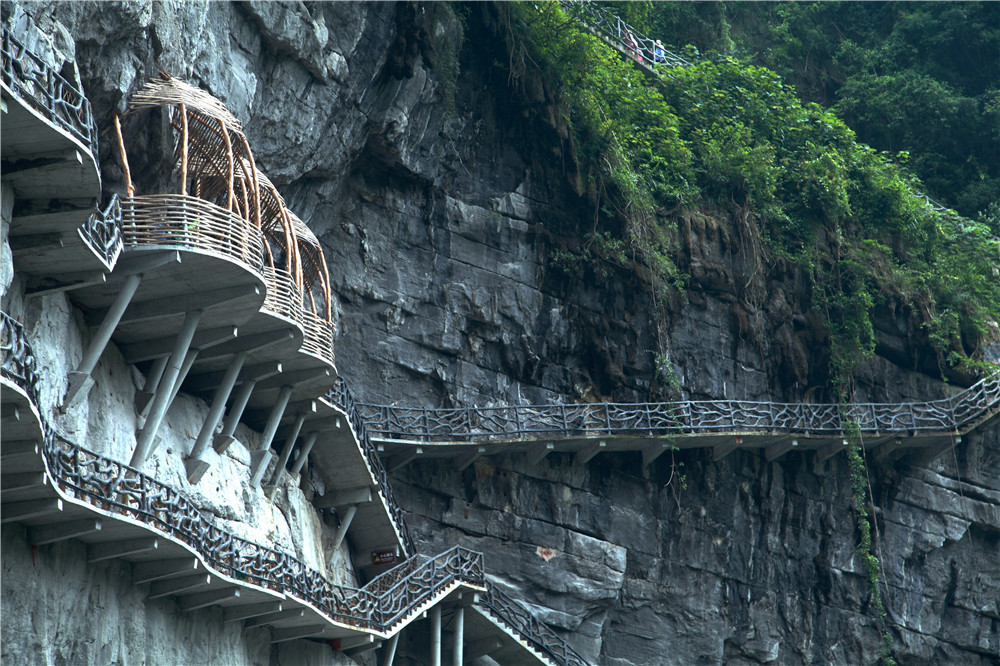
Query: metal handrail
[[102, 232], [479, 424], [117, 488], [37, 84], [340, 396], [615, 30], [17, 362], [504, 608]]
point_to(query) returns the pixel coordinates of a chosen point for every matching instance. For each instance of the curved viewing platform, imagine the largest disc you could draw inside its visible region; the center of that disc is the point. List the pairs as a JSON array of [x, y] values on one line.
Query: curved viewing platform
[[196, 256], [318, 340], [177, 221], [49, 141], [23, 429], [56, 256], [48, 145]]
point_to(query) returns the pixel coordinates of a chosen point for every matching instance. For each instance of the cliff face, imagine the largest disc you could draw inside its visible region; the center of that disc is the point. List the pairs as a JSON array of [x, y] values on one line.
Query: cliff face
[[440, 192]]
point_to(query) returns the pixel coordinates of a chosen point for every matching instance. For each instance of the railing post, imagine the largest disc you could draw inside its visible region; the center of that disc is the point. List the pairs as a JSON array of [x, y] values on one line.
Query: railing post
[[50, 88]]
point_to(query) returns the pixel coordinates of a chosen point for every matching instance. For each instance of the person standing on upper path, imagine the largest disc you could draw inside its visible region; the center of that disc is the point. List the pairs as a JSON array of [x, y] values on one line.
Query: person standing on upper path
[[659, 55], [632, 45]]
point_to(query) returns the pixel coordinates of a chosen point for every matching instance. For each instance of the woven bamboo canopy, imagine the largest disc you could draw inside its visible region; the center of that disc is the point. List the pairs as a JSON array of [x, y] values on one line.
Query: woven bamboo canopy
[[277, 229], [315, 273], [212, 155], [214, 161]]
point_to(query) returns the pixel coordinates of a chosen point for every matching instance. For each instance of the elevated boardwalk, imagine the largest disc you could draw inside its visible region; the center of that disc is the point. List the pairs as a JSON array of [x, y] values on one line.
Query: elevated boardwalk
[[405, 433]]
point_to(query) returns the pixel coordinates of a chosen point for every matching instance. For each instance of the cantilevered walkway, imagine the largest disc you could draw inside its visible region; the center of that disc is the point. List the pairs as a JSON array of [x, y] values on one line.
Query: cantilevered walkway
[[406, 433]]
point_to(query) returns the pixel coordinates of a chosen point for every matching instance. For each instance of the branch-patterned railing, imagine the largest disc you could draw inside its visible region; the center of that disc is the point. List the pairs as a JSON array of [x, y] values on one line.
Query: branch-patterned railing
[[102, 232], [479, 424], [616, 30], [17, 362], [413, 583], [190, 223], [35, 82], [508, 611], [341, 396], [116, 488]]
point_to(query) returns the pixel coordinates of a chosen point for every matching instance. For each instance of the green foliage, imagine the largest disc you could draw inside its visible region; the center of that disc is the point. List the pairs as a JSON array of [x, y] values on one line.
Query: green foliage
[[865, 550], [626, 137], [728, 133], [918, 77], [448, 39], [600, 255], [847, 215]]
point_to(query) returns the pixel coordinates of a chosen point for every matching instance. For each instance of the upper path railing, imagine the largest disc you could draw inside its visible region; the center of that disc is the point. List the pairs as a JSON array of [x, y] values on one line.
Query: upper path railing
[[620, 33], [35, 82], [341, 396], [688, 417]]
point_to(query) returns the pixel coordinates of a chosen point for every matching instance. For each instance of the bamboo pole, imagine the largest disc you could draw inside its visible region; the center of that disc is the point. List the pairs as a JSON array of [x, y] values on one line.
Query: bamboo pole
[[246, 199], [254, 179], [293, 249], [129, 188], [184, 148], [232, 168]]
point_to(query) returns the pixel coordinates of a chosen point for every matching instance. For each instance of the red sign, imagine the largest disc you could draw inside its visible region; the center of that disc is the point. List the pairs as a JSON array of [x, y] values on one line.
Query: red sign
[[383, 557]]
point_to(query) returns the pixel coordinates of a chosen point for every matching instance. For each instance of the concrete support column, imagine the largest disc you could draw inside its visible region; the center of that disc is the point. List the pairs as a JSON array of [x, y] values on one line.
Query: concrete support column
[[155, 374], [286, 452], [345, 524], [144, 446], [144, 398], [260, 458], [436, 636], [189, 360], [304, 453], [194, 465], [80, 380], [225, 438], [458, 652], [390, 650]]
